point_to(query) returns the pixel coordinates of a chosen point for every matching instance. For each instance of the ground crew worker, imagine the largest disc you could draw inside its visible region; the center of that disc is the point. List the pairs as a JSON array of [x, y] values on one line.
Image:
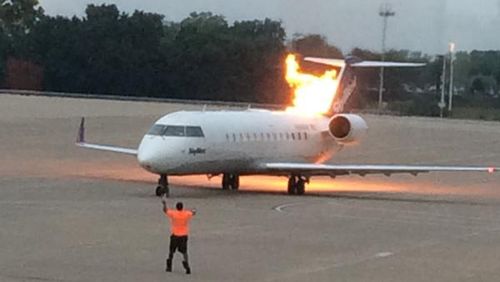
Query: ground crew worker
[[179, 225]]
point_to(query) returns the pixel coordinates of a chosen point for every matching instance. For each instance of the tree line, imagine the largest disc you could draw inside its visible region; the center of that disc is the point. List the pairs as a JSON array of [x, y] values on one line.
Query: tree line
[[111, 52], [204, 57]]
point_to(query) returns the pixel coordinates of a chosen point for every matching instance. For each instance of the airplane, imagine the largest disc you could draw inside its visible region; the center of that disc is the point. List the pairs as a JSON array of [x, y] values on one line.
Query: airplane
[[263, 142]]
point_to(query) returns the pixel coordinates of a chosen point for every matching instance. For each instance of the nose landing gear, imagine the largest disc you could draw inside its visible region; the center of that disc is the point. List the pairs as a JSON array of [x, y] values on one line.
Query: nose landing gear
[[162, 187]]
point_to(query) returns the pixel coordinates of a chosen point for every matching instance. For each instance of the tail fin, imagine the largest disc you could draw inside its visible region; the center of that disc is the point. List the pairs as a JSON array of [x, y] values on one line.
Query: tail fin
[[81, 132]]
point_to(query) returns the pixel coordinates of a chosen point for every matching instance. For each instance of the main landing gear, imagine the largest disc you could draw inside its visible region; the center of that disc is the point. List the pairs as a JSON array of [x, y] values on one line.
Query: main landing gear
[[297, 185], [230, 181], [162, 187]]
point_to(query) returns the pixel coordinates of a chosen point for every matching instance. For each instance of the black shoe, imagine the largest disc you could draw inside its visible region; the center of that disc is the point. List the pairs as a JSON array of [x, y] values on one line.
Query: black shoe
[[169, 265], [186, 266]]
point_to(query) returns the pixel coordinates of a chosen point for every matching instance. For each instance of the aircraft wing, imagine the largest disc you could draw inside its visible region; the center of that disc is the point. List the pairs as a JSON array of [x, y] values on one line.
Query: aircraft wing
[[108, 148], [339, 169], [80, 141]]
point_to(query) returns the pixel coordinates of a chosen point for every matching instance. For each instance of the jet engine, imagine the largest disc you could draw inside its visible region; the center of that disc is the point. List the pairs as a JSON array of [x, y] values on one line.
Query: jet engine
[[347, 128]]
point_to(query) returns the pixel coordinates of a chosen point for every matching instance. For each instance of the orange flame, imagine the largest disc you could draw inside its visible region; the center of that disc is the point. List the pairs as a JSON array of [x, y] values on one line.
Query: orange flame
[[312, 94]]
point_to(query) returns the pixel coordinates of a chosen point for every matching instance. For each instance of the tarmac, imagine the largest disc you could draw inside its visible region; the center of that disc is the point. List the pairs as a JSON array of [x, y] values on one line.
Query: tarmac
[[70, 214]]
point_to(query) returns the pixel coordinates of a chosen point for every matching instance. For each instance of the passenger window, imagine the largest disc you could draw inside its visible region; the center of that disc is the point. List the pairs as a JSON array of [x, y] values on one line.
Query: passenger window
[[268, 135], [261, 136], [299, 136], [281, 136], [156, 129], [234, 137], [305, 135], [287, 136], [227, 137], [275, 136], [194, 131], [255, 136], [293, 136], [172, 130]]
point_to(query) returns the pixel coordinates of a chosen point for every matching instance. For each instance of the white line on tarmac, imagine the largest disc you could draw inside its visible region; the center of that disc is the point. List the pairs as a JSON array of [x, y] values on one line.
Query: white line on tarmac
[[383, 254], [281, 208]]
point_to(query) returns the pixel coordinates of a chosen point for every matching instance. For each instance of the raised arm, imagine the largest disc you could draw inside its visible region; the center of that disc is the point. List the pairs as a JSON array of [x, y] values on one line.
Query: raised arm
[[164, 205]]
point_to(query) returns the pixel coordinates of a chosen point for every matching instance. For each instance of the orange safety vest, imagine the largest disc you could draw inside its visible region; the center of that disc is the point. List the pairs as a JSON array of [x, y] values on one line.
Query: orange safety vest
[[179, 221]]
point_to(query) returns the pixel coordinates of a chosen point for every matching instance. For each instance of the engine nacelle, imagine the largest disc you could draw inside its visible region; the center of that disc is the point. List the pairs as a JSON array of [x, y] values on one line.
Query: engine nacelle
[[347, 128]]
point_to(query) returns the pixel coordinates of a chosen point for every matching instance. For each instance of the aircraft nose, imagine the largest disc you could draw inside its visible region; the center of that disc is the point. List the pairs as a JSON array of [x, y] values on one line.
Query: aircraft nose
[[147, 158], [144, 158]]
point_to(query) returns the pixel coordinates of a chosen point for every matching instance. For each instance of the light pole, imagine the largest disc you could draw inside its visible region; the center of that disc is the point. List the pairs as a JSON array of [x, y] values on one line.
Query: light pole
[[441, 103], [385, 12], [452, 59]]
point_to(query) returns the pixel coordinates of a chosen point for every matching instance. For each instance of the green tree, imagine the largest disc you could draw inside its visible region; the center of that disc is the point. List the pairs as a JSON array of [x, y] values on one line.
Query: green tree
[[19, 16], [315, 45]]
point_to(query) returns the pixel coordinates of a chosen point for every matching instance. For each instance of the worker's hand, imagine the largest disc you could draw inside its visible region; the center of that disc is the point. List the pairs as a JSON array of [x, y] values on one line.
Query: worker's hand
[[163, 200], [193, 211]]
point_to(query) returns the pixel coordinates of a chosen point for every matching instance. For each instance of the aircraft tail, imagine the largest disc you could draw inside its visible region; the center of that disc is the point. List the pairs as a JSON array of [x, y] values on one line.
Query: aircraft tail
[[347, 77], [81, 132]]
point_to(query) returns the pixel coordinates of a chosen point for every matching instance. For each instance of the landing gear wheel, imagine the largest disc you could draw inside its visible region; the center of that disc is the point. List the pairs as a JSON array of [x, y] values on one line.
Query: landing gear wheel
[[162, 188], [225, 182], [235, 181], [301, 187], [292, 186], [296, 185], [230, 181], [160, 191]]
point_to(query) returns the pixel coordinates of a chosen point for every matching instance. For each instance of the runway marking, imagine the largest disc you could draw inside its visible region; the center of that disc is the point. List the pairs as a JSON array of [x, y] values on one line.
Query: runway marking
[[281, 208], [423, 244], [431, 217], [383, 254], [447, 221]]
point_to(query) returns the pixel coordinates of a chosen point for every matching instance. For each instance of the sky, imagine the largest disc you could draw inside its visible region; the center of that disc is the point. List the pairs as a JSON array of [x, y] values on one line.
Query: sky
[[419, 25]]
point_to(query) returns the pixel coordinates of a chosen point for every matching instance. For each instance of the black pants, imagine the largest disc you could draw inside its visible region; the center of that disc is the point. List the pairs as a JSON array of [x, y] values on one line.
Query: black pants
[[178, 243]]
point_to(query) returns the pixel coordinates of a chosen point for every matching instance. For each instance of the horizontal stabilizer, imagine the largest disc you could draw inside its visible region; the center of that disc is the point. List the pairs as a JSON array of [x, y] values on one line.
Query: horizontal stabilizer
[[330, 62], [374, 64], [361, 63]]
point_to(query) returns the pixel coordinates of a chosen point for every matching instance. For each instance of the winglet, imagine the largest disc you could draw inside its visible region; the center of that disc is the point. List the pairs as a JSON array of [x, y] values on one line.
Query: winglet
[[81, 132]]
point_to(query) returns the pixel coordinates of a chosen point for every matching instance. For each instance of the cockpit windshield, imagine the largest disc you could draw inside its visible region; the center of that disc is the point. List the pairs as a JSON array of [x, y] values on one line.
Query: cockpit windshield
[[157, 130], [176, 131], [171, 130]]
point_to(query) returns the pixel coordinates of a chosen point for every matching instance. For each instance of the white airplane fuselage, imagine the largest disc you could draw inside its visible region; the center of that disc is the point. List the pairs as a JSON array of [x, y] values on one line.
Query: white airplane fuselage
[[234, 142]]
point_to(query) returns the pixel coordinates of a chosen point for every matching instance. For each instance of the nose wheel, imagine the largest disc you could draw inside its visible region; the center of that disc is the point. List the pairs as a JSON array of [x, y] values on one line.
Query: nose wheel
[[296, 185], [162, 188], [230, 181]]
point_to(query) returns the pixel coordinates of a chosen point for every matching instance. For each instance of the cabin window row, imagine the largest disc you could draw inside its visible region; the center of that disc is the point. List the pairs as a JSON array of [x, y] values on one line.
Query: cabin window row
[[266, 136]]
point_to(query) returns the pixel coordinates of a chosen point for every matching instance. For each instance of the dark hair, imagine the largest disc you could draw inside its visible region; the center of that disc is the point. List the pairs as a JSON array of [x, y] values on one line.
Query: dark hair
[[179, 206]]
